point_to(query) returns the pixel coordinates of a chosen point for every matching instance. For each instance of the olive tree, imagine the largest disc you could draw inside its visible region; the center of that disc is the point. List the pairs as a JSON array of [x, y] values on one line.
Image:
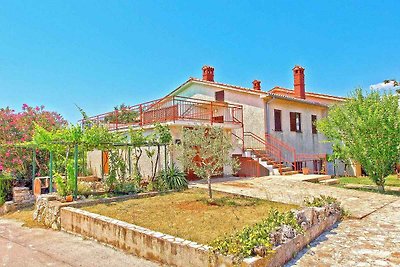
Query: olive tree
[[366, 129], [206, 151]]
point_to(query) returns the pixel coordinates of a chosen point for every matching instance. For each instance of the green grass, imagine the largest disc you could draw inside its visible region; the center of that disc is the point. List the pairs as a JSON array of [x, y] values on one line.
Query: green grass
[[391, 180]]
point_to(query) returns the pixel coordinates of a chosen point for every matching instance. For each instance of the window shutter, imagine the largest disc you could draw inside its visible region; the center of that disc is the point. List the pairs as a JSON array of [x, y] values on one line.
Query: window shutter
[[220, 96], [278, 120], [292, 121], [313, 125], [298, 123]]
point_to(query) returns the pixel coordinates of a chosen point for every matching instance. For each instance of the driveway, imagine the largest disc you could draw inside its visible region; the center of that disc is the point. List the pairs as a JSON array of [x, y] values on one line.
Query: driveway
[[371, 237], [21, 246]]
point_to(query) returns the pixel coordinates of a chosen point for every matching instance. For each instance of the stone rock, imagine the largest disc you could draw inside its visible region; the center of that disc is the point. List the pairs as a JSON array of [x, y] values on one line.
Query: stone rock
[[260, 251], [310, 216], [282, 235], [47, 212], [22, 195]]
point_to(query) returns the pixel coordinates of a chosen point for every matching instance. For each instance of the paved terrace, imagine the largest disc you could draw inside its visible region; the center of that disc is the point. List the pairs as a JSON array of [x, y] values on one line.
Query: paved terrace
[[370, 238]]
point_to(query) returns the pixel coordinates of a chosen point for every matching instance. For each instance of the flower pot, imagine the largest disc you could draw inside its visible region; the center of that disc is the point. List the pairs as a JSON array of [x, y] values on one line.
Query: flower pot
[[69, 198], [306, 171]]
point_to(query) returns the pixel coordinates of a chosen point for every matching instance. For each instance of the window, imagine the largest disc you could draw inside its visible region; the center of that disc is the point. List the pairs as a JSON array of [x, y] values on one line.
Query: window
[[220, 96], [313, 124], [278, 120], [295, 122]]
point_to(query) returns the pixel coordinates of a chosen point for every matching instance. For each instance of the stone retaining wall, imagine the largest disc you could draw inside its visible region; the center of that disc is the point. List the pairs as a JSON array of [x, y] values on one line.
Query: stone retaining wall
[[176, 251], [47, 207], [22, 198], [22, 195]]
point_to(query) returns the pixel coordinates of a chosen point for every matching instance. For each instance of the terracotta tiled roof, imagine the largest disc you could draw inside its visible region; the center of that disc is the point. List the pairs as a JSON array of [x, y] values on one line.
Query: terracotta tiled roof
[[289, 91], [261, 93]]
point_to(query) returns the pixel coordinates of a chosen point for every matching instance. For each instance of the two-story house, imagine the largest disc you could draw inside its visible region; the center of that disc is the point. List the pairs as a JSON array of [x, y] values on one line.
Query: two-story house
[[274, 131]]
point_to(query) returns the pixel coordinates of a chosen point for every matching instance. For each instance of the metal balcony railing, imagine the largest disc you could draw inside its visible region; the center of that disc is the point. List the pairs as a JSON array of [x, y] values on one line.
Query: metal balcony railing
[[170, 109]]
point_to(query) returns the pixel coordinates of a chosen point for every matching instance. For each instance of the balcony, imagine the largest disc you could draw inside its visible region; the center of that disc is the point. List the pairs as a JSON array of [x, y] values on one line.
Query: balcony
[[174, 109]]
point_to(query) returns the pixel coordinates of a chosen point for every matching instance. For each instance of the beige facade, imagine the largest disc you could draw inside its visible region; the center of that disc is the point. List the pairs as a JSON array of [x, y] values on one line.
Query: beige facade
[[258, 115]]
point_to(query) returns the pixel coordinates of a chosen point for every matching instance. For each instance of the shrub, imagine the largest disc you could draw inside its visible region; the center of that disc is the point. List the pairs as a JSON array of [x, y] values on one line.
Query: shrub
[[127, 188], [320, 201], [5, 187], [242, 243], [173, 178], [65, 186], [84, 189]]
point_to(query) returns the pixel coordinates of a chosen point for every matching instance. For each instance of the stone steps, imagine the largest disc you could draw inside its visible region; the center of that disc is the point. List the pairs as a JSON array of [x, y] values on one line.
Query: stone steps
[[329, 181]]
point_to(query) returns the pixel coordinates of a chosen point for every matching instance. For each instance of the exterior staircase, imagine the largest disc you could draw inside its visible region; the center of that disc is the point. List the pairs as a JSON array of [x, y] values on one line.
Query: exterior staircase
[[274, 166], [268, 155]]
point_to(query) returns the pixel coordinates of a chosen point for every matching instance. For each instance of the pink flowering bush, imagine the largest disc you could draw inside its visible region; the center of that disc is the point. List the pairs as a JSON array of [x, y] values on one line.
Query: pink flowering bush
[[17, 128]]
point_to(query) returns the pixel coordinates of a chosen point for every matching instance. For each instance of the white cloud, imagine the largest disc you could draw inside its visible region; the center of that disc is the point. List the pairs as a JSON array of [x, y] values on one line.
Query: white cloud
[[384, 86]]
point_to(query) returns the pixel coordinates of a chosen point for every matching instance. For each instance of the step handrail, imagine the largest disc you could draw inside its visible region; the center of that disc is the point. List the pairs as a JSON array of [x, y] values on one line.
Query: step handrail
[[278, 151], [272, 150]]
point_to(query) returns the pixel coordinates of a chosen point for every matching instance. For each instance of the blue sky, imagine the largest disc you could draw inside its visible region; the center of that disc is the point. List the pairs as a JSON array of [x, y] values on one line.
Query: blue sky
[[98, 54]]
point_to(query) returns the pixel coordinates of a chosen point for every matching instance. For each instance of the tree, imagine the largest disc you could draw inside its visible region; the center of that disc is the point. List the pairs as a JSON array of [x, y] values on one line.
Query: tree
[[366, 129], [17, 128], [206, 151]]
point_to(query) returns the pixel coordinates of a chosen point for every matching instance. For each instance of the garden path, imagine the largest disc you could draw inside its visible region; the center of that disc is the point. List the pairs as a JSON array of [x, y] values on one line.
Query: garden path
[[371, 237], [21, 246]]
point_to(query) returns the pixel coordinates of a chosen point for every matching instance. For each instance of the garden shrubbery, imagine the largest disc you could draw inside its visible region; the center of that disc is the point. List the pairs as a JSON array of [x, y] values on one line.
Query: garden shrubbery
[[5, 187]]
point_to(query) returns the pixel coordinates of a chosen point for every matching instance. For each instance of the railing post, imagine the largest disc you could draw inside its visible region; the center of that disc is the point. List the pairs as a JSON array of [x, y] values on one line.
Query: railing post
[[76, 171], [33, 169], [51, 172], [173, 109]]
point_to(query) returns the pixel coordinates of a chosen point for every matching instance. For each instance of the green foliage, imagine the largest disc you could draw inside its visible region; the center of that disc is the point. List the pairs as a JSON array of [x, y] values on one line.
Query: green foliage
[[206, 151], [65, 185], [122, 114], [320, 201], [366, 129], [118, 169], [137, 140], [84, 189], [173, 178], [241, 244], [5, 186], [127, 188]]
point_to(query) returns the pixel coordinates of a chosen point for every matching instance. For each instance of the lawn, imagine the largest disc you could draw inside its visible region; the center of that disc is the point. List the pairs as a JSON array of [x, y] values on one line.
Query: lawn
[[391, 180], [189, 215], [24, 216]]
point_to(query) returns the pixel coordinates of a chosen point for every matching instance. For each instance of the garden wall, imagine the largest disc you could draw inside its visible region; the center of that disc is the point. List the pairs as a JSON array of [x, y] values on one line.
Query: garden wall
[[176, 251], [47, 207]]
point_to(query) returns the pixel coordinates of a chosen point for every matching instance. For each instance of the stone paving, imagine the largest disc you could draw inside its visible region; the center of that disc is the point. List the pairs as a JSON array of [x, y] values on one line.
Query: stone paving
[[293, 191], [371, 241], [370, 238], [21, 246]]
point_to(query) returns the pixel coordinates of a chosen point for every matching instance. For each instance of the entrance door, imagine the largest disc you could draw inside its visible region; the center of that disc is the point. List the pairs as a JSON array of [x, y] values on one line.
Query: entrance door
[[105, 163]]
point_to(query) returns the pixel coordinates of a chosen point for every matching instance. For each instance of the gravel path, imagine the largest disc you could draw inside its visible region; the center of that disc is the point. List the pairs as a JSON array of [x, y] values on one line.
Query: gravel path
[[21, 246]]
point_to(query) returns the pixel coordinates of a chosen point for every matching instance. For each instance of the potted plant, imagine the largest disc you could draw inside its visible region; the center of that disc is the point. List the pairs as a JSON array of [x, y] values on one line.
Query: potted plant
[[65, 186], [305, 170]]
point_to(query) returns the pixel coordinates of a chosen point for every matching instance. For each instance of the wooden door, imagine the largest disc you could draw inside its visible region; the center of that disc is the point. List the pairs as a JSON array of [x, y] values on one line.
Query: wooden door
[[105, 163]]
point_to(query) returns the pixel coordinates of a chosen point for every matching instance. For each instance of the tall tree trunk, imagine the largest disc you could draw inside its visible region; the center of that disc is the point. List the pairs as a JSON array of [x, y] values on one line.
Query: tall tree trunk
[[209, 187], [156, 163]]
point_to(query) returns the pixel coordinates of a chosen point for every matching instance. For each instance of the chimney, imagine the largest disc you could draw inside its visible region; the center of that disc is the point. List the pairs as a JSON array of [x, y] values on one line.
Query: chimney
[[208, 73], [257, 85], [299, 86]]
